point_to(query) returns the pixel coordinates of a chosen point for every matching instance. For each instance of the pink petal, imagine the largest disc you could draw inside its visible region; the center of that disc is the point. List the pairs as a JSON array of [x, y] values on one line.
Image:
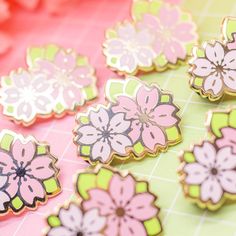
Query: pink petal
[[23, 153], [41, 167], [164, 115], [128, 63], [183, 32], [158, 45], [101, 151], [153, 135], [115, 46], [88, 134], [31, 189], [211, 190], [72, 96], [202, 67], [65, 61], [125, 105], [135, 132], [228, 139], [147, 99], [215, 53], [13, 187], [46, 67], [213, 83], [230, 60], [141, 207], [99, 119], [145, 38], [168, 16], [226, 160], [145, 57], [196, 173], [122, 189], [205, 155], [81, 77], [149, 21], [229, 78], [5, 42], [118, 124], [120, 143], [112, 226], [101, 200], [40, 83], [126, 31], [228, 180], [6, 163], [132, 227]]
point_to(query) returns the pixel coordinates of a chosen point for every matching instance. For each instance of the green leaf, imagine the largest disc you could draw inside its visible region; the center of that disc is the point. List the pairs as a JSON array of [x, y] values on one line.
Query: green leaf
[[51, 186], [53, 221], [103, 178], [85, 182], [34, 53], [153, 226], [194, 191], [232, 118], [139, 8], [6, 142], [189, 157], [113, 89], [229, 27]]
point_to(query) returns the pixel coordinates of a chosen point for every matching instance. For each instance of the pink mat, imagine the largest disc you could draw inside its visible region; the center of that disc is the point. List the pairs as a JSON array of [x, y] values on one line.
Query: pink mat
[[81, 28]]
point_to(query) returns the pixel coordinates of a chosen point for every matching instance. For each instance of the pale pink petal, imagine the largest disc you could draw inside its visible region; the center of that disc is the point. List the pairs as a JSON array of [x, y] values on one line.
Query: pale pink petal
[[72, 96], [25, 110], [122, 189], [6, 163], [5, 42], [65, 61], [153, 135], [4, 198], [168, 16], [23, 152], [215, 53], [100, 118], [230, 60], [13, 187], [100, 199], [126, 31], [213, 83], [145, 57], [82, 76], [43, 103], [125, 105], [60, 231], [40, 83], [141, 207], [12, 95], [163, 115], [158, 45], [183, 32], [46, 67], [229, 77], [119, 143], [128, 63], [196, 173], [226, 160], [72, 217], [3, 180], [205, 155], [22, 80], [211, 190], [41, 167], [135, 132], [112, 225], [147, 99], [149, 21], [115, 46], [101, 151], [228, 180], [89, 134], [228, 139], [144, 37], [31, 189], [202, 67], [93, 223], [118, 124], [132, 227]]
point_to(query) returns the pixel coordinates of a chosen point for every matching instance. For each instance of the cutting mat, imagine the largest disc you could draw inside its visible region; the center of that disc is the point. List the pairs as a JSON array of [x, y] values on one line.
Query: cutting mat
[[83, 29]]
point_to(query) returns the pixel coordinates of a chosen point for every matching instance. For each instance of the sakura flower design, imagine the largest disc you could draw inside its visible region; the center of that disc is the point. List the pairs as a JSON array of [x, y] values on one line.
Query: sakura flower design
[[4, 197], [172, 35], [217, 69], [125, 209], [67, 78], [148, 116], [75, 222], [130, 50], [213, 171], [228, 139], [25, 95], [105, 135]]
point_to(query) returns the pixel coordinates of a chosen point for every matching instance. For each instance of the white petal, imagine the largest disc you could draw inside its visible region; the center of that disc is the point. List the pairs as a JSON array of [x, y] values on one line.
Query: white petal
[[89, 134], [118, 124], [71, 217], [205, 155], [101, 151], [213, 83], [4, 198], [203, 67], [215, 53], [119, 143], [211, 190], [93, 222], [226, 160], [230, 60], [60, 231], [100, 118], [196, 173], [230, 79], [228, 181]]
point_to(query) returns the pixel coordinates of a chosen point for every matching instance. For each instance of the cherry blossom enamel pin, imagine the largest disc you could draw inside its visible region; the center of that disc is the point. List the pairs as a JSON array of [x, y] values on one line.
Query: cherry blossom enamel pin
[[56, 82], [138, 120], [208, 171], [213, 65], [28, 175], [127, 204], [160, 36]]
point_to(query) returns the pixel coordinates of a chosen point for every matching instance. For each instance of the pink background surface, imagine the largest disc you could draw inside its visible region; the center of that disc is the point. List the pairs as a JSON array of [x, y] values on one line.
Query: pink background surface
[[82, 28]]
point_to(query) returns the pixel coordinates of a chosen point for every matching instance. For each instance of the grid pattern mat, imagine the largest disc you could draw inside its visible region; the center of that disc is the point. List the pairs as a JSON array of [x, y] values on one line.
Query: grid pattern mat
[[83, 28]]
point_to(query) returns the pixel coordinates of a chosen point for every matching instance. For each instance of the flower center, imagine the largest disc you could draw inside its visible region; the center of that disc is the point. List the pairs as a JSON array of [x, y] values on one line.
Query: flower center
[[144, 118], [20, 172], [79, 234], [120, 212], [28, 94], [219, 68], [106, 134], [214, 171]]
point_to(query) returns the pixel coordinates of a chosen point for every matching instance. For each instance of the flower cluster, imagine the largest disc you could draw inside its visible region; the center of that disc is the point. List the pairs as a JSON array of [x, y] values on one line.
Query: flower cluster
[[27, 173], [153, 40], [137, 123], [117, 208], [54, 85]]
